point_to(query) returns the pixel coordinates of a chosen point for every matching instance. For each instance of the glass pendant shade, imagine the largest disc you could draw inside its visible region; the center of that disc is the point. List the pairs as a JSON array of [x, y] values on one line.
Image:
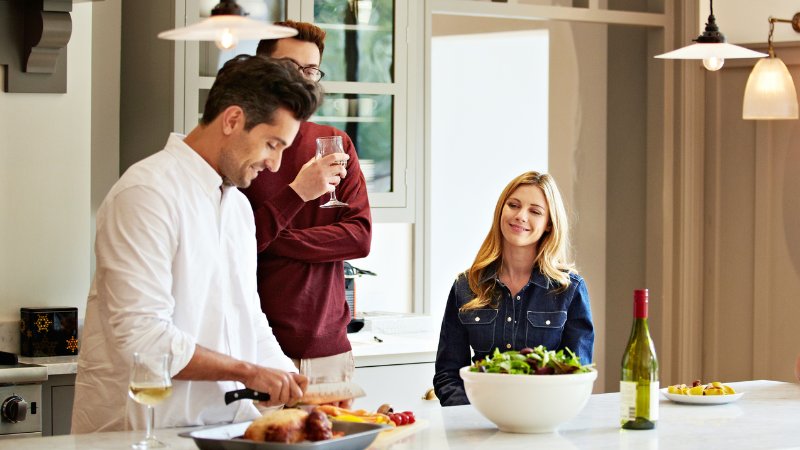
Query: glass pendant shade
[[770, 92], [226, 30]]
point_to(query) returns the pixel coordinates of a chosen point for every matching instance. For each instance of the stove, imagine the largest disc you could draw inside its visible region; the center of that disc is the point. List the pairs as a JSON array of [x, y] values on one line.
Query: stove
[[21, 399]]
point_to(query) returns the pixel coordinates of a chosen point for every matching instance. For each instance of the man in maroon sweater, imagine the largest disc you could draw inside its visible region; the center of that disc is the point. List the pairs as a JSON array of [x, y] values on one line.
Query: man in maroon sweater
[[301, 273]]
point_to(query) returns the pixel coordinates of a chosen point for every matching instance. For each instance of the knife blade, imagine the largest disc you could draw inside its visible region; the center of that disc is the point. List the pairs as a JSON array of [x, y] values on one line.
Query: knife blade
[[320, 393]]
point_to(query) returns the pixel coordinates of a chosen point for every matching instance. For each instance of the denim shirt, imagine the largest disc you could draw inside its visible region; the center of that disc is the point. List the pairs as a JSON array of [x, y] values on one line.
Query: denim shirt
[[536, 315]]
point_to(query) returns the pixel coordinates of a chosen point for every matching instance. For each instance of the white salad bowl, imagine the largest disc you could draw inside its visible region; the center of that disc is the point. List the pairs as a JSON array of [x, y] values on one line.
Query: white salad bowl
[[528, 403]]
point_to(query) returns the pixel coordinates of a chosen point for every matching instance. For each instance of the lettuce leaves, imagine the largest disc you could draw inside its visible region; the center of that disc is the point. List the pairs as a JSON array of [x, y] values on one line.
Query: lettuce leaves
[[532, 361]]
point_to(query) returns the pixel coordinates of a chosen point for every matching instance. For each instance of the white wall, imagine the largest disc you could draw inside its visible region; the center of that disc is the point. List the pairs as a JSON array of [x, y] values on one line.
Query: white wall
[[45, 147], [746, 21], [489, 123], [391, 259]]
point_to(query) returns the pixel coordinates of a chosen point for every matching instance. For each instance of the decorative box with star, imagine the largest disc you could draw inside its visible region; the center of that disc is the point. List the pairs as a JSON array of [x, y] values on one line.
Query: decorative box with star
[[48, 331]]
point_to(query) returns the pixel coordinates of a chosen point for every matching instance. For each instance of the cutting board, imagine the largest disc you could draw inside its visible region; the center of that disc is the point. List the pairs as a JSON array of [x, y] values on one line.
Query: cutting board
[[396, 434]]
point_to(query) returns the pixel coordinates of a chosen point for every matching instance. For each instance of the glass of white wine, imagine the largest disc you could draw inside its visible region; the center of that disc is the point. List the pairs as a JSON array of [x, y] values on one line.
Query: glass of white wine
[[150, 385], [325, 146]]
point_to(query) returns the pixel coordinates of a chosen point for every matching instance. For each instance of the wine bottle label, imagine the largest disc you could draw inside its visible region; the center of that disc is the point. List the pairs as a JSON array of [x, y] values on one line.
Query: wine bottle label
[[630, 409]]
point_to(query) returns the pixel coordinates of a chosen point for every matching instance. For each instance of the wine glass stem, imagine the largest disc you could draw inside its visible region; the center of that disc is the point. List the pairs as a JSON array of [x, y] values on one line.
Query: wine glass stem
[[150, 424], [333, 196]]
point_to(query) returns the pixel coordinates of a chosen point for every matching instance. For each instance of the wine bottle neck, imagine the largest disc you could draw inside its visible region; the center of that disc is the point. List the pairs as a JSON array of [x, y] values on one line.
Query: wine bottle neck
[[640, 308]]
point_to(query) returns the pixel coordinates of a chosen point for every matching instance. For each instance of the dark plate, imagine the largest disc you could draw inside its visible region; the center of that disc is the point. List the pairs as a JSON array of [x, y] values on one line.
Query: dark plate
[[357, 436]]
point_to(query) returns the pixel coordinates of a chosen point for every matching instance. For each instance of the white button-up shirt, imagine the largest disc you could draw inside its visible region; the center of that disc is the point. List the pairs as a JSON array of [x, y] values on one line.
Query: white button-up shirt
[[176, 266]]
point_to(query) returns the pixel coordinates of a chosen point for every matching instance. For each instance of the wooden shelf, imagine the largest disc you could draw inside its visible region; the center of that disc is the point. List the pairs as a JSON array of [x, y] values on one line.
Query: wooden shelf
[[345, 119], [351, 27]]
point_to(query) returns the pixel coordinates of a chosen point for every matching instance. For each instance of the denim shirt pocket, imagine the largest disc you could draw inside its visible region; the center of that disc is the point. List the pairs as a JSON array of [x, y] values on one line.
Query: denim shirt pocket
[[480, 324], [545, 328]]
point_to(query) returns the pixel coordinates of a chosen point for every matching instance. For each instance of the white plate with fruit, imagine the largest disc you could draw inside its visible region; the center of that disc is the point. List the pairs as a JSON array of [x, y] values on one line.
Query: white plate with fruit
[[714, 393]]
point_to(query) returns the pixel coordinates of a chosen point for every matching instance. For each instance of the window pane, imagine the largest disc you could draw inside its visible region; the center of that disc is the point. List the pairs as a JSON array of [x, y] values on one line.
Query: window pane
[[359, 45], [367, 119]]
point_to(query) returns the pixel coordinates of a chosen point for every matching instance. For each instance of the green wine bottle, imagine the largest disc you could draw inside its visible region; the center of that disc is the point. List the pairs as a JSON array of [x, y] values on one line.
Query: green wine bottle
[[638, 388]]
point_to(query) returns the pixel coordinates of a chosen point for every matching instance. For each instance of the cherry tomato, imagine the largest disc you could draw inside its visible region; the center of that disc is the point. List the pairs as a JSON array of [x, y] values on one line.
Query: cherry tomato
[[398, 419], [409, 417]]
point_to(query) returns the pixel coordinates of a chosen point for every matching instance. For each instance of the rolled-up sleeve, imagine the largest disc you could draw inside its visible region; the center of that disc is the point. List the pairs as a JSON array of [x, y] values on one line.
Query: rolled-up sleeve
[[137, 237]]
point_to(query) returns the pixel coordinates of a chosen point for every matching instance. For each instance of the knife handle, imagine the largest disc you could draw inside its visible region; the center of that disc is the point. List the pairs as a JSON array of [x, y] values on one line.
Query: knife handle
[[232, 396]]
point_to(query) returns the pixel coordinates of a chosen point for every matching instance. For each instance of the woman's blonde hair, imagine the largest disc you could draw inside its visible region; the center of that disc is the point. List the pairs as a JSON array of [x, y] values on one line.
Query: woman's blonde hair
[[552, 249]]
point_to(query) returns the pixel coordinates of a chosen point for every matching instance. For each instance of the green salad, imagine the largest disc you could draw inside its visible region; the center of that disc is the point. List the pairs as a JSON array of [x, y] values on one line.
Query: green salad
[[532, 361]]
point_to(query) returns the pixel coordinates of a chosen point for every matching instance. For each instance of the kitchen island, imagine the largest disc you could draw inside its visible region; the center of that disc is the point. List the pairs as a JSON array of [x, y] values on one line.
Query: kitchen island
[[765, 417]]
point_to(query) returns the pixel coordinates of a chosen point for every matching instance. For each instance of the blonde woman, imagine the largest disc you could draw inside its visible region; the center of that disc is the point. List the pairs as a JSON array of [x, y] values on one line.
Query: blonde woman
[[520, 291]]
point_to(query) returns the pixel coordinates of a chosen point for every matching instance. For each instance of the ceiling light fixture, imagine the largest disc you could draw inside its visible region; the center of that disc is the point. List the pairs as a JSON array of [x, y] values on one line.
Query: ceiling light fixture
[[226, 26], [770, 93], [711, 47]]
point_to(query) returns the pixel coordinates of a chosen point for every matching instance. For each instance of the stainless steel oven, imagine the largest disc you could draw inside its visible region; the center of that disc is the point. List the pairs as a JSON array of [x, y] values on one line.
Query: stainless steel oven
[[21, 399]]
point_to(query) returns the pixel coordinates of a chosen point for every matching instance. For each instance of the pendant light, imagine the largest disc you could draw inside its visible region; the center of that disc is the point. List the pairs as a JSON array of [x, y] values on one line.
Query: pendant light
[[226, 26], [770, 93], [711, 47]]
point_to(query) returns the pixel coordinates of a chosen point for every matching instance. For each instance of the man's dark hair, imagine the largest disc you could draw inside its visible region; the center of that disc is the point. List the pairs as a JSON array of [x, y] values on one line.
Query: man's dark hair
[[306, 32], [260, 86]]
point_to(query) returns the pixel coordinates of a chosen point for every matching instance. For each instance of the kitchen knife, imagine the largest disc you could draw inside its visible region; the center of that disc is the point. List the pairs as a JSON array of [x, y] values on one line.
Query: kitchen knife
[[315, 394], [241, 394]]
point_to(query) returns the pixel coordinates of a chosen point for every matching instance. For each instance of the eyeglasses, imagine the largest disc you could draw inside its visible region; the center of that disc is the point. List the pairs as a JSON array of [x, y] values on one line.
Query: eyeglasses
[[311, 72]]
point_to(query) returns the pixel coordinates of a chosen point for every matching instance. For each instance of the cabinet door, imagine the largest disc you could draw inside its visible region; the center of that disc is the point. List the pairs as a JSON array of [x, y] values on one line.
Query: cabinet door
[[401, 385], [63, 397], [58, 394]]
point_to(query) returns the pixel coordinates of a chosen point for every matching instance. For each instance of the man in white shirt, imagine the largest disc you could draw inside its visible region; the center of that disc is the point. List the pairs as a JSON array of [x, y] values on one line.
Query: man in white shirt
[[176, 260]]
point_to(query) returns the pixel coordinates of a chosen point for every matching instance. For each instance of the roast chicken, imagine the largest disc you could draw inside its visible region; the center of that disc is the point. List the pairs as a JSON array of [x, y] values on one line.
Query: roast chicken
[[290, 426]]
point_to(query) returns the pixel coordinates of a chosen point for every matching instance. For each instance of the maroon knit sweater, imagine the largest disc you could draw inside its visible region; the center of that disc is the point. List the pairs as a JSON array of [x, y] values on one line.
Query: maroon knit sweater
[[302, 246]]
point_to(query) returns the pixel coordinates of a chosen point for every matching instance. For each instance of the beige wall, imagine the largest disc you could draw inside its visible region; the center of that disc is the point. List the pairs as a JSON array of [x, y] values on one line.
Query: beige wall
[[45, 179], [745, 21], [56, 154], [751, 277]]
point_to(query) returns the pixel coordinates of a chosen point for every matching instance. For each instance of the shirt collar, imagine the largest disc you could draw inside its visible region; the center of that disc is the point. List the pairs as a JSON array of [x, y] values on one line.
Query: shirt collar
[[198, 167], [537, 277]]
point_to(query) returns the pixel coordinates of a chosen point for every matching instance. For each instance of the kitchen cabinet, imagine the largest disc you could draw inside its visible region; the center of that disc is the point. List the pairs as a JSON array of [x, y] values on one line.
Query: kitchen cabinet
[[400, 385], [368, 50], [58, 393]]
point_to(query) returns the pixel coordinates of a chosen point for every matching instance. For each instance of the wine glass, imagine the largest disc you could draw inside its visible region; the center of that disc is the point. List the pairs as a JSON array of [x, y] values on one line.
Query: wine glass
[[325, 146], [150, 385]]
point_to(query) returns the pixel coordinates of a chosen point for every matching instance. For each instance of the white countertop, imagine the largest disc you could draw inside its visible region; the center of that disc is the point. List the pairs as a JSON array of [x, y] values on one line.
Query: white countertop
[[376, 349], [387, 349], [56, 365], [765, 417]]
